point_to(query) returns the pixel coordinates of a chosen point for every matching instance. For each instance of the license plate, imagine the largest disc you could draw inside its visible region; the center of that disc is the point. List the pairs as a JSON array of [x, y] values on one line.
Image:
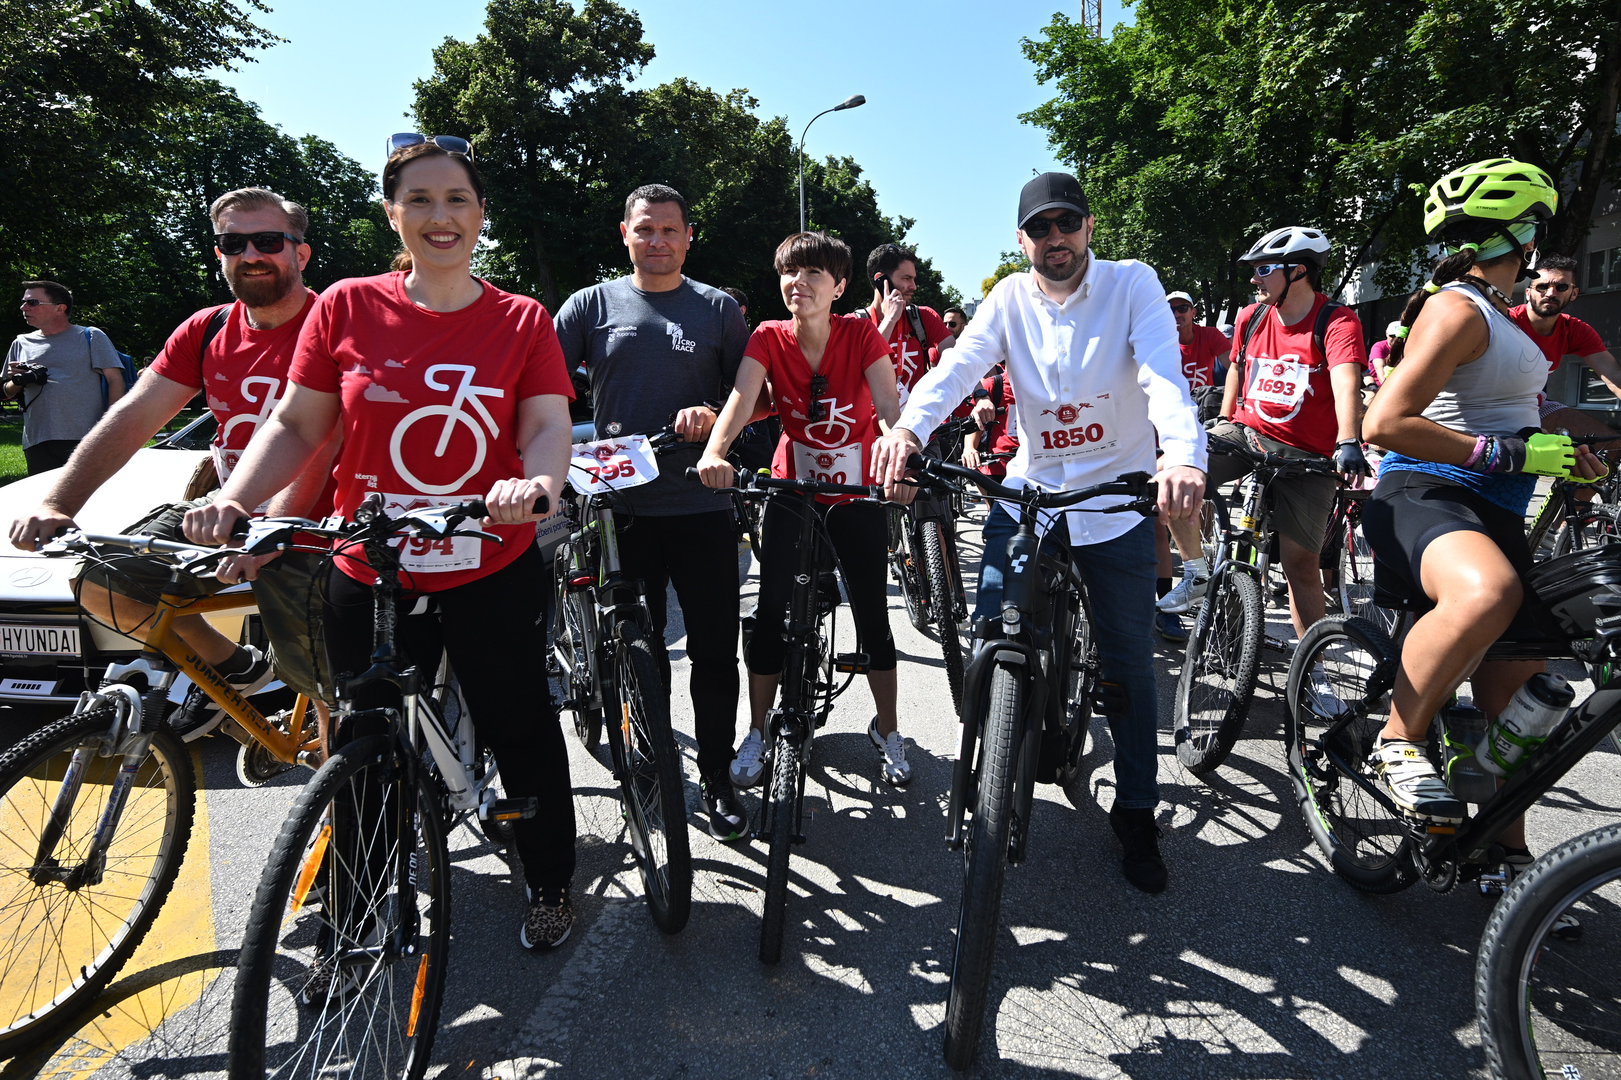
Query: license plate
[[39, 640]]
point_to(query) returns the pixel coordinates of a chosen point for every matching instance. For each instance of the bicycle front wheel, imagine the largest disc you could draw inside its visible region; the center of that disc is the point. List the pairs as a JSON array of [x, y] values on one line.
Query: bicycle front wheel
[[1545, 989], [650, 783], [1218, 672], [70, 919], [784, 797], [985, 856], [1334, 719], [573, 649], [906, 568], [342, 969], [943, 583]]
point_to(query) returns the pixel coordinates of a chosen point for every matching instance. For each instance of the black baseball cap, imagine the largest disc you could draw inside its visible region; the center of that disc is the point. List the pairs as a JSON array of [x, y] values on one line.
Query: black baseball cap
[[1050, 191]]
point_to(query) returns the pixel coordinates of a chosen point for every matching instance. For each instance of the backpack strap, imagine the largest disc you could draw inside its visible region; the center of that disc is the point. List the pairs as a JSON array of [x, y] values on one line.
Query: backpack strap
[[1320, 328], [1260, 312], [996, 390], [216, 323], [915, 318]]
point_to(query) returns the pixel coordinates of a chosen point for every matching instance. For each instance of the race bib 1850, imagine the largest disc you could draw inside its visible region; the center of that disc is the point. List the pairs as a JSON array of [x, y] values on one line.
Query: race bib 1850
[[1081, 427]]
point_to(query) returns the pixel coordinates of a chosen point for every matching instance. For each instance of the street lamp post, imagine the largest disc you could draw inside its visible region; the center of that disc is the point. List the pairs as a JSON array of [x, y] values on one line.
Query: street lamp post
[[848, 103]]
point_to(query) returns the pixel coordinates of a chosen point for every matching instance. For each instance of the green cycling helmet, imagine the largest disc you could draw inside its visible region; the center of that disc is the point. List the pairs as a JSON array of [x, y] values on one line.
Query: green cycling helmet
[[1497, 190]]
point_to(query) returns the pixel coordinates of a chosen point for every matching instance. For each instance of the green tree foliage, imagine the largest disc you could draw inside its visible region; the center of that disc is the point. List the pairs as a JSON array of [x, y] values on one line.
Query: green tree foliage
[[1012, 262], [561, 140], [116, 147], [1198, 128]]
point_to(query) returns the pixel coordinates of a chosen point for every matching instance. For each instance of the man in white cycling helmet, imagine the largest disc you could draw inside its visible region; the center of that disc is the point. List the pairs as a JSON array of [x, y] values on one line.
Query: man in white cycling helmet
[[1294, 387]]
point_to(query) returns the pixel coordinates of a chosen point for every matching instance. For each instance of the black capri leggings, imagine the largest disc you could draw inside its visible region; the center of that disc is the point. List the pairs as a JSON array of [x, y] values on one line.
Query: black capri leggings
[[496, 641], [861, 540]]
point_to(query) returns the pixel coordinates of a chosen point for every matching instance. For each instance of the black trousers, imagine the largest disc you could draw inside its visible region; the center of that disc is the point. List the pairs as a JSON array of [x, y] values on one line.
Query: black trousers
[[48, 455], [860, 535], [697, 553], [498, 648]]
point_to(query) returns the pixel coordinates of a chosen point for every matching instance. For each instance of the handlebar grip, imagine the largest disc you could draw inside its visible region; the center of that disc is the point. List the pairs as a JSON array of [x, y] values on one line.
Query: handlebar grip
[[477, 509], [240, 528]]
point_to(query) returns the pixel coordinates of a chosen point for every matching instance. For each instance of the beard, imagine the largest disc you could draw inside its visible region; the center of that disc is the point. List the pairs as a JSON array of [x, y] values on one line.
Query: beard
[[1077, 263], [261, 291], [1546, 306]]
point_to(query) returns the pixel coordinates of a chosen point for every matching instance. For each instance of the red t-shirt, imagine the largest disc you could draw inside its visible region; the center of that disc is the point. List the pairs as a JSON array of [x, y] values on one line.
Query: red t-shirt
[[244, 374], [1002, 437], [1286, 393], [836, 449], [1570, 337], [430, 408], [910, 357], [1199, 355]]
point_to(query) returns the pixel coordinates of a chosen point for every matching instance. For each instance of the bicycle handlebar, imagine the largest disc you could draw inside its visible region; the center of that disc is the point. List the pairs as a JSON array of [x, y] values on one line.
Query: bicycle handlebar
[[747, 483], [1139, 485], [1269, 460]]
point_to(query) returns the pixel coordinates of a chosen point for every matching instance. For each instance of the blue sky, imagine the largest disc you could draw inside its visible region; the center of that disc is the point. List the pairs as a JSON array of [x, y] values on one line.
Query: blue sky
[[939, 136]]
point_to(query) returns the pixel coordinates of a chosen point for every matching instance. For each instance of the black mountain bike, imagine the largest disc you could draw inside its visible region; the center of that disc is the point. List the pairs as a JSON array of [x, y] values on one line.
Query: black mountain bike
[[1027, 703], [807, 692], [923, 560], [1224, 650]]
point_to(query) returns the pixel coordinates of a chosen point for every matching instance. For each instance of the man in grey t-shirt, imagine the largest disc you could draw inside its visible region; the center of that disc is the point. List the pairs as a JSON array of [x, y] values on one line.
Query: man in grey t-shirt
[[62, 402], [657, 344]]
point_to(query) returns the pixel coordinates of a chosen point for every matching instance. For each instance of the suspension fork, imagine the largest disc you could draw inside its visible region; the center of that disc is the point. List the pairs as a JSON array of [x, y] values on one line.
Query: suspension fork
[[795, 722]]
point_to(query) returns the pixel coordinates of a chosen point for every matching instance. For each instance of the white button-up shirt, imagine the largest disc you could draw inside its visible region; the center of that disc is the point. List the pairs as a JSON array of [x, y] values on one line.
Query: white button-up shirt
[[1094, 378]]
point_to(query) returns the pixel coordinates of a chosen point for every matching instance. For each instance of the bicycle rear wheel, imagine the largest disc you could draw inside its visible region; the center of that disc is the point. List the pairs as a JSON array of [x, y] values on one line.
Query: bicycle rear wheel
[[1079, 688], [784, 798], [942, 573], [906, 568], [650, 783], [572, 646], [1218, 671], [985, 855], [1361, 836], [1545, 995], [342, 970], [67, 926]]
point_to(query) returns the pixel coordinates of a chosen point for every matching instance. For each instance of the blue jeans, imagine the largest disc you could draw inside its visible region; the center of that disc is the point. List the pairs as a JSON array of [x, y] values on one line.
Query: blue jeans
[[1119, 576]]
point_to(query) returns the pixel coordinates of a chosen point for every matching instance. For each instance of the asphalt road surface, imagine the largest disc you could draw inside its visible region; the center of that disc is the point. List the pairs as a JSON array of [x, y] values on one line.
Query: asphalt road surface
[[1256, 962]]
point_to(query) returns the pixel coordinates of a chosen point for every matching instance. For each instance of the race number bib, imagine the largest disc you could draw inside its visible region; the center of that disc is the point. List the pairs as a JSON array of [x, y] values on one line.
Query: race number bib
[[225, 462], [840, 466], [424, 555], [1280, 382], [612, 465], [1071, 430]]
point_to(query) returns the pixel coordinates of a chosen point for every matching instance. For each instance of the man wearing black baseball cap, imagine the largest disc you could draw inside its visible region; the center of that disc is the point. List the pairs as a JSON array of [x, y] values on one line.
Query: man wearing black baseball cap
[[1092, 354]]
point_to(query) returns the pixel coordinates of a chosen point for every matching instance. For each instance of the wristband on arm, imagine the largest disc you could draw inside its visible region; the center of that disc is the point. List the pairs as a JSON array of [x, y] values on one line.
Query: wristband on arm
[[1540, 455]]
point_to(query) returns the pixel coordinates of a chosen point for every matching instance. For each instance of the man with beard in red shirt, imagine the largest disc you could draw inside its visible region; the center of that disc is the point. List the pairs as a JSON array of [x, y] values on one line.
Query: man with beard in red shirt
[[1559, 335], [238, 355], [911, 331]]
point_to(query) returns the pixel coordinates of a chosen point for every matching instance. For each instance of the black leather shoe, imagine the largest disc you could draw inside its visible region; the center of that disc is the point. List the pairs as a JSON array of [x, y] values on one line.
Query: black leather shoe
[[1138, 834]]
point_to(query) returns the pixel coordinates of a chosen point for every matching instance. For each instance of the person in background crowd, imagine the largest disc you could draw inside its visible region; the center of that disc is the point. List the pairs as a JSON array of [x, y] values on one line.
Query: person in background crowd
[[241, 353], [956, 320], [742, 299], [1001, 432], [58, 370], [912, 332], [658, 344], [1559, 335]]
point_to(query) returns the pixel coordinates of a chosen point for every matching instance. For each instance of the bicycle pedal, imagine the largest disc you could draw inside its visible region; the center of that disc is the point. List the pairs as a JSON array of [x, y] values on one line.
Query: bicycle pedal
[[509, 809], [1494, 884], [852, 663]]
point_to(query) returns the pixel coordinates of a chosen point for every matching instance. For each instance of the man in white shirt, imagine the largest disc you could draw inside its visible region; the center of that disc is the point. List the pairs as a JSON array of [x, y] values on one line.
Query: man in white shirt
[[1090, 346]]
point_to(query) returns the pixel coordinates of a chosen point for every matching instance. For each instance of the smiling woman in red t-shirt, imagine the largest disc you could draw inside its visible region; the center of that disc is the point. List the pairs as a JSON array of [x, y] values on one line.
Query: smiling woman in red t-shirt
[[827, 376], [445, 388]]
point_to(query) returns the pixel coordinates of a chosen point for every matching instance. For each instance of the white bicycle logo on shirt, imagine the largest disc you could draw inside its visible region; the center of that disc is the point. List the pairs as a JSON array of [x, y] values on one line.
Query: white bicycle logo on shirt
[[466, 394], [253, 420]]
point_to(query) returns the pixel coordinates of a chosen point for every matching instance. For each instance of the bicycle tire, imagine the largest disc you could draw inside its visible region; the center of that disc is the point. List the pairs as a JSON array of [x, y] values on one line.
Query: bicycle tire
[[784, 796], [575, 657], [1363, 840], [943, 583], [904, 561], [651, 785], [102, 922], [294, 921], [1597, 526], [1538, 995], [1218, 672], [1080, 685], [985, 854]]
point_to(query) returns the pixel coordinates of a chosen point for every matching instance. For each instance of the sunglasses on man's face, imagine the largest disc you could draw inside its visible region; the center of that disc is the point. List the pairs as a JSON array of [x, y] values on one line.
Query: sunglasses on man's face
[[454, 144], [1560, 287], [1181, 309], [29, 301], [1261, 270], [266, 243], [1037, 228], [818, 387]]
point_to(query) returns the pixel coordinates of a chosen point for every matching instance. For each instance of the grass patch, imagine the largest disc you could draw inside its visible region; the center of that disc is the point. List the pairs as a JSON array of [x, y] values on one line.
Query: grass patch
[[12, 464]]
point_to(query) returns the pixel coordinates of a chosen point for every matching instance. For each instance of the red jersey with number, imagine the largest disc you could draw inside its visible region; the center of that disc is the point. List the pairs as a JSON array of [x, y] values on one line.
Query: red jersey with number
[[836, 446], [911, 357], [1570, 337], [1286, 392], [243, 375], [429, 408], [1199, 356]]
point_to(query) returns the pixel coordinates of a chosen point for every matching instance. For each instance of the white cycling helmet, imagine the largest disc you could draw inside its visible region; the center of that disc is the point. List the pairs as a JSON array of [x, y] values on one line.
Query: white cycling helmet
[[1290, 244]]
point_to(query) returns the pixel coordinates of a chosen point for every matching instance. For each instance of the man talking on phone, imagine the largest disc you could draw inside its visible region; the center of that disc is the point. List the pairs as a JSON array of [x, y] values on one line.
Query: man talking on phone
[[911, 331]]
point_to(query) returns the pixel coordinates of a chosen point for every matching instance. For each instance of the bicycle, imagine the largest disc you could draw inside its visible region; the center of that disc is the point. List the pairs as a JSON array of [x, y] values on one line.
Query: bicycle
[[1347, 555], [343, 963], [1028, 697], [97, 806], [602, 636], [1224, 648], [807, 694]]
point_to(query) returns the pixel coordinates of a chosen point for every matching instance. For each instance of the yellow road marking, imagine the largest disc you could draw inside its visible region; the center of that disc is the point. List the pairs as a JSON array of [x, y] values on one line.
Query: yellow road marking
[[184, 929]]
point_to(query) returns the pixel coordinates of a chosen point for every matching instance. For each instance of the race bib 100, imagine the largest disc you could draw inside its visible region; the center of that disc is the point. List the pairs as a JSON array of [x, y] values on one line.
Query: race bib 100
[[838, 466], [612, 465]]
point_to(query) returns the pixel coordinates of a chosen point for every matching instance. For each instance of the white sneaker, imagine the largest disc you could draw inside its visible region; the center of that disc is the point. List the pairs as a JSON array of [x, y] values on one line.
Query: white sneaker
[[749, 762], [893, 747], [1324, 700], [1188, 591]]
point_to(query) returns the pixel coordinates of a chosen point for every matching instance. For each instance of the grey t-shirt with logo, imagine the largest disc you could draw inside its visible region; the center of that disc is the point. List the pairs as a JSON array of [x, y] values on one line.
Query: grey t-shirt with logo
[[69, 404], [650, 354]]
